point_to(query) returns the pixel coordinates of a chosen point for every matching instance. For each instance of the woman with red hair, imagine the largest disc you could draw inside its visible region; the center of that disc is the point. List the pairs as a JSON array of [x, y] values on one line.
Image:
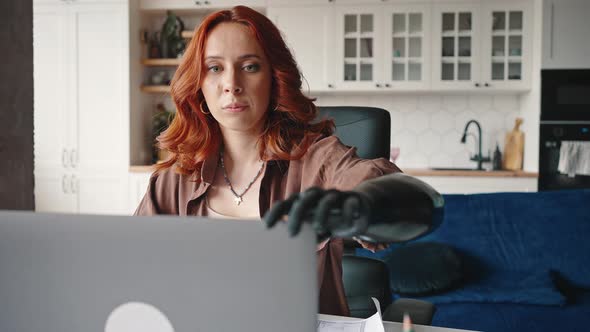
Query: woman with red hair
[[243, 139]]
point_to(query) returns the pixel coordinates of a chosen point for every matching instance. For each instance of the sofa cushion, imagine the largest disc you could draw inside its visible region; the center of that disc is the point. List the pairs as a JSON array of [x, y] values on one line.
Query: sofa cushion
[[423, 268]]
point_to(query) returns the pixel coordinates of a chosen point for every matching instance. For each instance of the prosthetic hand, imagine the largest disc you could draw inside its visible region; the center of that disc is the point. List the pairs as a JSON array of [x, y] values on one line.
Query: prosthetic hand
[[391, 208]]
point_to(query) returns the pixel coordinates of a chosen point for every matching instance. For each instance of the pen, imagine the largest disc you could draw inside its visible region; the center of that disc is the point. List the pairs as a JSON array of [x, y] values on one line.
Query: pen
[[407, 325]]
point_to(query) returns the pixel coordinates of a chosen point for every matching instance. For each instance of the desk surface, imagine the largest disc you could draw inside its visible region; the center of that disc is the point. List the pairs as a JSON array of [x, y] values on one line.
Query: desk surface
[[397, 327]]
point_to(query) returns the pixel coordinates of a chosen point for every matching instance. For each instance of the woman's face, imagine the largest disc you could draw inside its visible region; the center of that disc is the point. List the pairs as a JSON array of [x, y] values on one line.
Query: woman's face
[[237, 82]]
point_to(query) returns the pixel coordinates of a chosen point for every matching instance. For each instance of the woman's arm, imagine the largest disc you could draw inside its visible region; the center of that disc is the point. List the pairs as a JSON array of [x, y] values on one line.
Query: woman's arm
[[347, 196]]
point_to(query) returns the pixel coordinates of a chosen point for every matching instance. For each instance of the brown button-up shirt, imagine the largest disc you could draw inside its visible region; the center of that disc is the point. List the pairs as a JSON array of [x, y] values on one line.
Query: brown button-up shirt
[[327, 164]]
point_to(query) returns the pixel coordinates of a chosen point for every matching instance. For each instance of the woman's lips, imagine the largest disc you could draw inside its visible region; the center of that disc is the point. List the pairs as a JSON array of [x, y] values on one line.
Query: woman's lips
[[235, 109]]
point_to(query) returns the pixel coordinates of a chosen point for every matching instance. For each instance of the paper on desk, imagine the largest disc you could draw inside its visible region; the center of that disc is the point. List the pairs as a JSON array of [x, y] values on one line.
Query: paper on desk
[[371, 324]]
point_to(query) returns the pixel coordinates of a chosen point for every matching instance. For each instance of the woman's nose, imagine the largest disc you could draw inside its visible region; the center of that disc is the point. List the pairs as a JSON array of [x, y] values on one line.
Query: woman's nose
[[232, 89], [231, 83]]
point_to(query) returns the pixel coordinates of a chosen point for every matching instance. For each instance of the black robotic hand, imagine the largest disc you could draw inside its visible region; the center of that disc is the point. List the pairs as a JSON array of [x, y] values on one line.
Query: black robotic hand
[[332, 213], [391, 208]]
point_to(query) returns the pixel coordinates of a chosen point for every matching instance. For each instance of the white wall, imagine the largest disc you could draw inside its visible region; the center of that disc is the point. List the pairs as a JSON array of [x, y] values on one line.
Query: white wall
[[531, 102]]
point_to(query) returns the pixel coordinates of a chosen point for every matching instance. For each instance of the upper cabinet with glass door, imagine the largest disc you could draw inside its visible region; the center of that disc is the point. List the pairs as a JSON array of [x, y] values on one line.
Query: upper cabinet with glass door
[[483, 45], [357, 48], [507, 45], [407, 57], [456, 48], [197, 4], [382, 47]]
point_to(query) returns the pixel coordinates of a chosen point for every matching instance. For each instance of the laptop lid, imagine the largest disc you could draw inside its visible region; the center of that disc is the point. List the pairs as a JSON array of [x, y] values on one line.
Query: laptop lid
[[76, 273]]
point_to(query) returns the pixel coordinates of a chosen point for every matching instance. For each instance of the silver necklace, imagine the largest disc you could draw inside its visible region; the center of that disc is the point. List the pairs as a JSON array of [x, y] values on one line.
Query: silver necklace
[[238, 197]]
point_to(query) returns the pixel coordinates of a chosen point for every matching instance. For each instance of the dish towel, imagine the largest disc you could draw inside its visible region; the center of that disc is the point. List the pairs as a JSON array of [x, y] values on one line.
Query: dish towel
[[574, 158]]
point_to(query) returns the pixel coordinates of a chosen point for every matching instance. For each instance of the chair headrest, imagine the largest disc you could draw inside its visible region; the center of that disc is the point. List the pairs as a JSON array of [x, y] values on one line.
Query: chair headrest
[[366, 128]]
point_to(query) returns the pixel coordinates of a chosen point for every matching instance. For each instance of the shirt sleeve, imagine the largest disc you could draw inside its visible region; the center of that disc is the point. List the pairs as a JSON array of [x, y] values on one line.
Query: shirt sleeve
[[161, 196], [148, 205], [339, 167]]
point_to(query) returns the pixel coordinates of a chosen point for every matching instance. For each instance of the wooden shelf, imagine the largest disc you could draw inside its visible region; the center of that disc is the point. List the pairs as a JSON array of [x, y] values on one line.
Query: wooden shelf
[[155, 88], [187, 34], [161, 62], [141, 168]]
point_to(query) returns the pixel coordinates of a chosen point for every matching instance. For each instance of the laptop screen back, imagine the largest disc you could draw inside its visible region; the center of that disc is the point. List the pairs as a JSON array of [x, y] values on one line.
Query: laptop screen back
[[73, 273]]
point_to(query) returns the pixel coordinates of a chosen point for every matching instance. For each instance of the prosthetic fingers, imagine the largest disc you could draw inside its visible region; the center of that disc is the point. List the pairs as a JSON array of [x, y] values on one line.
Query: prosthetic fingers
[[391, 208]]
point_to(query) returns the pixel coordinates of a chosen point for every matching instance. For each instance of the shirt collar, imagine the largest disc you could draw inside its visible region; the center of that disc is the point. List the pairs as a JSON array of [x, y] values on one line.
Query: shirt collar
[[208, 169]]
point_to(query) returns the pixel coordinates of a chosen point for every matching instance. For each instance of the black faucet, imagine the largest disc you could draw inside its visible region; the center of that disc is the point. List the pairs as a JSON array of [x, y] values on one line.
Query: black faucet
[[478, 157]]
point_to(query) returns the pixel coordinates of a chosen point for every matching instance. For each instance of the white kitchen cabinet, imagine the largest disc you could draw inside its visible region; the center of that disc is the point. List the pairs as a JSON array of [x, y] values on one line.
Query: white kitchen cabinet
[[475, 184], [81, 135], [80, 192], [359, 45], [100, 94], [407, 42], [312, 45], [36, 2], [51, 125], [53, 192], [507, 44], [566, 28], [456, 37], [101, 193], [378, 47], [197, 4], [482, 45], [382, 47]]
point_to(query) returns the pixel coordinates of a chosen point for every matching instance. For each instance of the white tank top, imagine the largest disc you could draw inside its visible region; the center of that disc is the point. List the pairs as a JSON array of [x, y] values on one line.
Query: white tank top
[[214, 214]]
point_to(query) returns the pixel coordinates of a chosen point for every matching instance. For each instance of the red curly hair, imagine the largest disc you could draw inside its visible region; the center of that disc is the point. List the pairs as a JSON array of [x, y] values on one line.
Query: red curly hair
[[288, 130]]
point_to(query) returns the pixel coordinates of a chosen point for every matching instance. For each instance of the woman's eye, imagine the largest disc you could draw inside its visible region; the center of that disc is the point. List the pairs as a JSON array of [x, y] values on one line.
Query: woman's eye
[[214, 69], [251, 68]]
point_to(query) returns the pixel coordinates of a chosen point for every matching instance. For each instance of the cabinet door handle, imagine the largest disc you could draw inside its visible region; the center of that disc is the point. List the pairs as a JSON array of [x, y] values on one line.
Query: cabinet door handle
[[378, 85], [330, 86], [198, 3], [207, 2], [64, 159], [74, 185], [74, 158], [477, 85], [487, 84], [64, 186], [388, 85]]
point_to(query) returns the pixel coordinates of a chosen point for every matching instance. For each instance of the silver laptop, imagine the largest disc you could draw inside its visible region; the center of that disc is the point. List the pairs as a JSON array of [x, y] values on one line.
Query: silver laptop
[[74, 273]]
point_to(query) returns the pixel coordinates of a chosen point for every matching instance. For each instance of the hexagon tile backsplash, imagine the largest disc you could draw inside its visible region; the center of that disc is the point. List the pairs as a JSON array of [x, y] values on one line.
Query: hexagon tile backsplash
[[428, 128]]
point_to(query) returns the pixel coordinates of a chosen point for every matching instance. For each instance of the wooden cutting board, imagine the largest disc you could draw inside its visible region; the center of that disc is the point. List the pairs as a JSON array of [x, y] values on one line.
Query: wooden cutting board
[[514, 148]]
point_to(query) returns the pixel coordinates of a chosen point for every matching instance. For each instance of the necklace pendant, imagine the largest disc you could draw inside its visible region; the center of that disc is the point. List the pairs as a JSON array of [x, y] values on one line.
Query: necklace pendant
[[238, 200]]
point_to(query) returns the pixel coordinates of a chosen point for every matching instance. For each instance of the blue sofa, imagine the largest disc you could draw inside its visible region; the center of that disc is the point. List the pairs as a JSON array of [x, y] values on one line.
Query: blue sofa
[[525, 262]]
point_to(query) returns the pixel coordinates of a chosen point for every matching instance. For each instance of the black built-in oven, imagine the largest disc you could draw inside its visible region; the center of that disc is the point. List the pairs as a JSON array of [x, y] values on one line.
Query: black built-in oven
[[565, 116], [552, 135]]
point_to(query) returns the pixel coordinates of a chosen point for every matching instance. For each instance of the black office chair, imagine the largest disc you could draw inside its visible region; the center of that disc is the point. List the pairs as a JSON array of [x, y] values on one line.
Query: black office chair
[[369, 130], [366, 128]]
